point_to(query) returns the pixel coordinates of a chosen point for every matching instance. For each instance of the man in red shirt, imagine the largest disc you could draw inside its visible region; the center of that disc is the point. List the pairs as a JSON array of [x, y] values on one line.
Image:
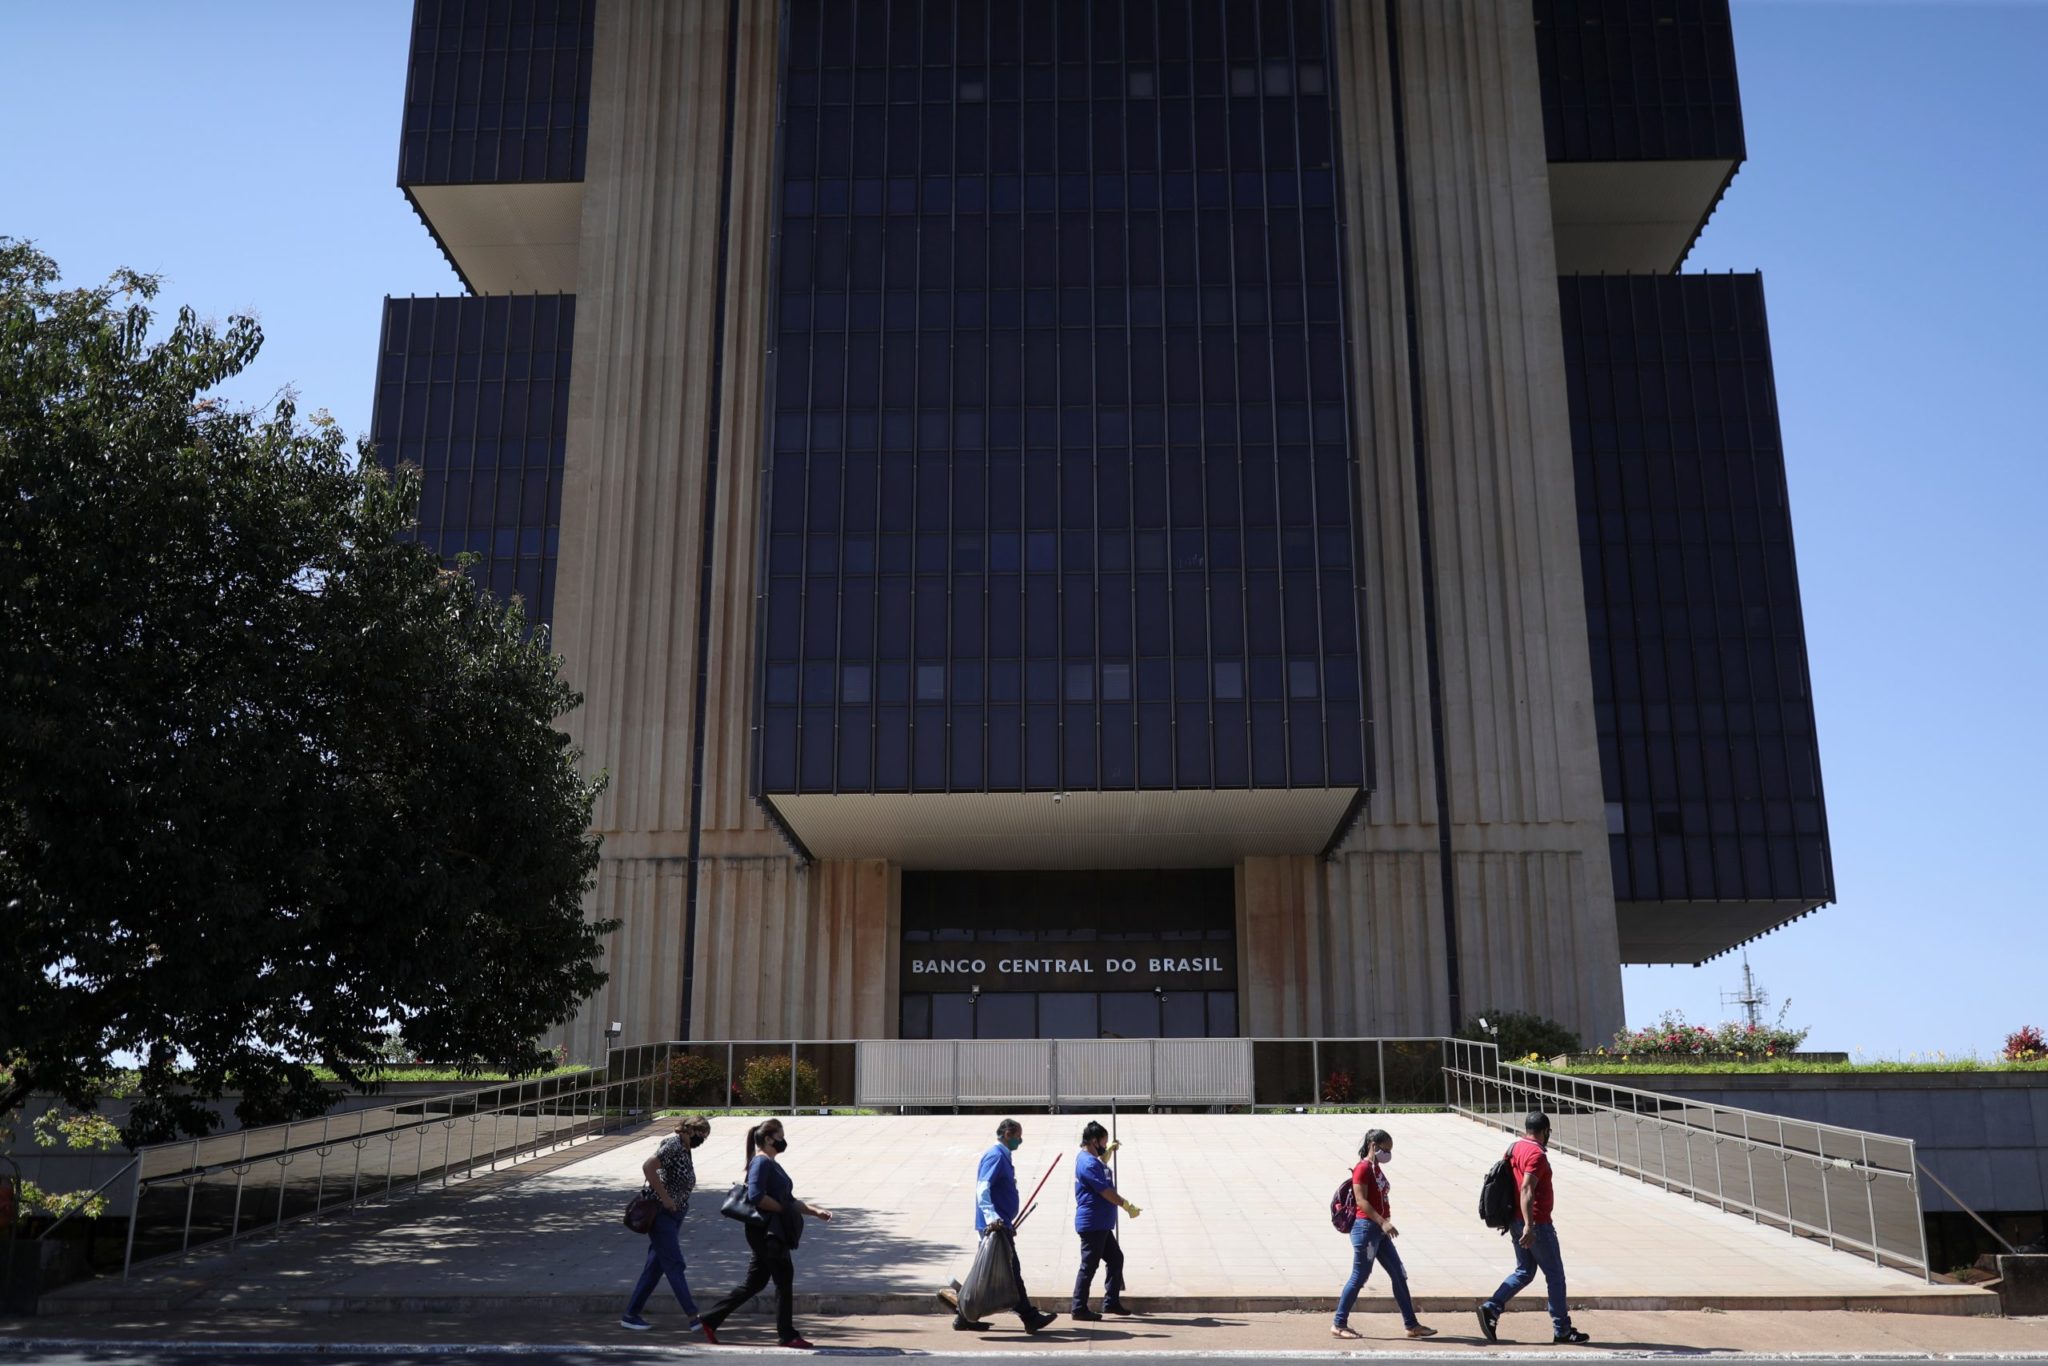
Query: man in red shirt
[[1535, 1236]]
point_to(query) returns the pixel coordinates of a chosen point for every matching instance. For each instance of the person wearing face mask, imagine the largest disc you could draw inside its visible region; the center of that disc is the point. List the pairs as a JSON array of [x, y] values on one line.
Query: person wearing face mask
[[1096, 1202], [1372, 1237], [995, 1206], [1535, 1236], [671, 1176], [771, 1238]]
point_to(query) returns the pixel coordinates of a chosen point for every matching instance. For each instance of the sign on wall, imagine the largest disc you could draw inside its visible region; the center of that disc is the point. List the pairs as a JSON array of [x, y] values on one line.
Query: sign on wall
[[1080, 965]]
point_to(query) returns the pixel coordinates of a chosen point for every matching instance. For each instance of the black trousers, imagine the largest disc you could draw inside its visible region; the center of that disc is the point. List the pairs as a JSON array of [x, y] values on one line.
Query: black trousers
[[1023, 1306], [1100, 1247], [770, 1262]]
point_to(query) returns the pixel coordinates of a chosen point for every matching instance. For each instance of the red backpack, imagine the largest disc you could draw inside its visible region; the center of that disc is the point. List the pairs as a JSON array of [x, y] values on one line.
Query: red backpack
[[1344, 1207]]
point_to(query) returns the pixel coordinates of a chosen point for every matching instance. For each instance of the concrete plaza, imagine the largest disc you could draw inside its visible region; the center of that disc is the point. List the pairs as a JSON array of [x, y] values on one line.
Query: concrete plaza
[[1234, 1221]]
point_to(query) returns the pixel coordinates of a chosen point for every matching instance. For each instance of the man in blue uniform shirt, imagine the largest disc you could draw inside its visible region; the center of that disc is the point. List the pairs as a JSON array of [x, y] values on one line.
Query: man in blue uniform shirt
[[1095, 1205], [995, 1206]]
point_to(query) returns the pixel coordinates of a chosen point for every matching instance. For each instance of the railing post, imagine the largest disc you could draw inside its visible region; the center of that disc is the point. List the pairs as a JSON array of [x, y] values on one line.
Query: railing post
[[1785, 1173], [1870, 1199], [1919, 1211], [1827, 1203], [134, 1217], [1315, 1070], [728, 1077], [792, 1078], [1749, 1162], [284, 1161], [1381, 1046], [320, 1178], [241, 1170]]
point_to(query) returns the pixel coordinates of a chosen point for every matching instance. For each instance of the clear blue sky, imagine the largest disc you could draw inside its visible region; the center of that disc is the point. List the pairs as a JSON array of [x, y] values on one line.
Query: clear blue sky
[[1894, 200]]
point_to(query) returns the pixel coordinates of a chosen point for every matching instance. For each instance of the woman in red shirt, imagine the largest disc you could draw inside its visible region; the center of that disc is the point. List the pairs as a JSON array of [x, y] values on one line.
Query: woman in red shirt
[[1372, 1237]]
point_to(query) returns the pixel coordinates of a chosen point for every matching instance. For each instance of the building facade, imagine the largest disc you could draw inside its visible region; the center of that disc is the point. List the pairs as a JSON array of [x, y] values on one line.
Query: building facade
[[1132, 517]]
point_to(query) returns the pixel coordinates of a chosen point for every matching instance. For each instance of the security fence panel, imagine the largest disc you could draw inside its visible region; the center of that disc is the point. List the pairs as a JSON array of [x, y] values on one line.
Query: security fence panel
[[912, 1072], [1005, 1072], [1104, 1069], [1202, 1071]]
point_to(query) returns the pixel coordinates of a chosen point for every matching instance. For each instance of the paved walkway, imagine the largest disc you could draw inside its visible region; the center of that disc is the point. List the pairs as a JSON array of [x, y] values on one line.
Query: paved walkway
[[1234, 1222], [1616, 1332]]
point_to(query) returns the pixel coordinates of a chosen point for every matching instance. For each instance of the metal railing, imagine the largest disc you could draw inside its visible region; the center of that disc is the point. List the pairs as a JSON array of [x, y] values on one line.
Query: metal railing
[[1853, 1190], [177, 1198], [947, 1074]]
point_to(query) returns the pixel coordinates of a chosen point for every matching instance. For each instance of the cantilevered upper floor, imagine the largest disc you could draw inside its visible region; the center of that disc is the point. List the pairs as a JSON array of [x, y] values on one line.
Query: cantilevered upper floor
[[1644, 125], [497, 115]]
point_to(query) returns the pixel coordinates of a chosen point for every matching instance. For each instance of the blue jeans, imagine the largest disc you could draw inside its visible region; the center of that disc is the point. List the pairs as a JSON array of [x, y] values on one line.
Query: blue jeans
[[664, 1258], [1369, 1244], [1541, 1254]]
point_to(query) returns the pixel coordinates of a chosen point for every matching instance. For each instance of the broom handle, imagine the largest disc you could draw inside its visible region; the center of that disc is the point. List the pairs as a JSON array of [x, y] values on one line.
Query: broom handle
[[1032, 1203]]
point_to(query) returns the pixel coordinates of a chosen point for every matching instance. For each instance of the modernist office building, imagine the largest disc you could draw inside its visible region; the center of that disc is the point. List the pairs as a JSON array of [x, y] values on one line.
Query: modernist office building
[[1132, 517]]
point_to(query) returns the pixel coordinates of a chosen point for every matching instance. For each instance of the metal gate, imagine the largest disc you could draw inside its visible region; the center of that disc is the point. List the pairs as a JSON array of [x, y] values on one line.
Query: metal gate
[[938, 1073]]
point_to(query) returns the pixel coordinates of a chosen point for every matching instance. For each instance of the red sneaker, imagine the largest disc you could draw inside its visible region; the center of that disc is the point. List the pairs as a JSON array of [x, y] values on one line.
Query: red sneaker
[[710, 1335], [797, 1343]]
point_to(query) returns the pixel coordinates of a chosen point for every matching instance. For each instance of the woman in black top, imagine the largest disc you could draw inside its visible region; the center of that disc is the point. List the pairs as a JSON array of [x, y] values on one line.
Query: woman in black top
[[771, 1237]]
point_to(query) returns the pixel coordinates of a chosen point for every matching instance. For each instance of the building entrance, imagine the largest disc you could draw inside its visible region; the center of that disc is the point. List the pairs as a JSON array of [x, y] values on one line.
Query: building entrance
[[1107, 954]]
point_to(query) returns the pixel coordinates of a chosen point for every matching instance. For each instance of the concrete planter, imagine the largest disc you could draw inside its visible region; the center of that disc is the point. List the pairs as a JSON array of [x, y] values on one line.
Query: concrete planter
[[2023, 1285]]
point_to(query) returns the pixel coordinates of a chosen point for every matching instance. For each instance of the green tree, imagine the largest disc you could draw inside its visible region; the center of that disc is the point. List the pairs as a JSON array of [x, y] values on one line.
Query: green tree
[[273, 781]]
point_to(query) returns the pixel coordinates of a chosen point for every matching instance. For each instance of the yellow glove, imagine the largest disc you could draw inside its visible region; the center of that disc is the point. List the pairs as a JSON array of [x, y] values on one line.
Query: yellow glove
[[1114, 1144], [1132, 1209]]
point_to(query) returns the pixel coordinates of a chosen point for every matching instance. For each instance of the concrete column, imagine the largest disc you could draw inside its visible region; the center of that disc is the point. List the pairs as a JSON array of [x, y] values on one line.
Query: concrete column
[[629, 607], [1535, 911]]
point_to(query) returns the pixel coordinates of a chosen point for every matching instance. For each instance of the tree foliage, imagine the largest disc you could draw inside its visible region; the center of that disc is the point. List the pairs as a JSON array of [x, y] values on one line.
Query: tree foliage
[[273, 781]]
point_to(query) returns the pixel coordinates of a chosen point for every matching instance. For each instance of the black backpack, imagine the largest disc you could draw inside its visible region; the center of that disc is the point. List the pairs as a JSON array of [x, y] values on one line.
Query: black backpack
[[1500, 1203]]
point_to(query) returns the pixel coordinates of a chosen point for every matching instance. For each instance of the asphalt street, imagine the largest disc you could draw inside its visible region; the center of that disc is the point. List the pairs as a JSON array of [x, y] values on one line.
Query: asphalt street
[[626, 1356]]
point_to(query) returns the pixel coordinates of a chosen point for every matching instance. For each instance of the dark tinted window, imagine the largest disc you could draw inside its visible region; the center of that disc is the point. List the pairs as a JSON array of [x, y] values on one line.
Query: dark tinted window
[[1058, 347]]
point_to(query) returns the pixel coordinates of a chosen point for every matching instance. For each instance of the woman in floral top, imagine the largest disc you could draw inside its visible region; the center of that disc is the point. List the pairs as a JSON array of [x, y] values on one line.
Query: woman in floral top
[[671, 1176]]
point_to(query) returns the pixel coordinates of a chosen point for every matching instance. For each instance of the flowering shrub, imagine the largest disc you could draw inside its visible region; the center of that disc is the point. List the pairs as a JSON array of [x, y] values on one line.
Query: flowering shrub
[[1673, 1037], [697, 1080], [764, 1081], [2025, 1044], [1338, 1088]]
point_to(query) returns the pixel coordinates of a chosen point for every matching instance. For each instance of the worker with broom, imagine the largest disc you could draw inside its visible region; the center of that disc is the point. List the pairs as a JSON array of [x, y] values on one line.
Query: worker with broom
[[996, 1268]]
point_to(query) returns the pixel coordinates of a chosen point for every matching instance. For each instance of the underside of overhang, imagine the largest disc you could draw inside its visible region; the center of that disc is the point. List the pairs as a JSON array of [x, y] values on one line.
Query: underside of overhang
[[963, 830], [1691, 932], [509, 238], [1632, 217]]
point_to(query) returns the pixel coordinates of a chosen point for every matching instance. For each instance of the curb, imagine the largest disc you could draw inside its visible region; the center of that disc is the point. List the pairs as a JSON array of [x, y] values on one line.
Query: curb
[[827, 1304], [188, 1347]]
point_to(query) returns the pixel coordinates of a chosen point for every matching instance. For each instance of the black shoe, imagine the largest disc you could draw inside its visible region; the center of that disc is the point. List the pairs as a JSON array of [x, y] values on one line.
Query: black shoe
[[1489, 1320], [961, 1325], [1118, 1308], [1571, 1335], [1084, 1315], [1039, 1319]]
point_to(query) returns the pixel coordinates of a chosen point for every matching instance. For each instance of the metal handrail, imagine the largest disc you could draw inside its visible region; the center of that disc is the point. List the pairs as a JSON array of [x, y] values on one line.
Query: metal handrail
[[598, 1093], [1471, 1064], [634, 1079]]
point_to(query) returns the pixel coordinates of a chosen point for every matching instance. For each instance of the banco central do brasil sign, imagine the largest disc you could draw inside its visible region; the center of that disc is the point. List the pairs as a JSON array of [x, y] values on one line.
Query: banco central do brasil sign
[[1098, 965]]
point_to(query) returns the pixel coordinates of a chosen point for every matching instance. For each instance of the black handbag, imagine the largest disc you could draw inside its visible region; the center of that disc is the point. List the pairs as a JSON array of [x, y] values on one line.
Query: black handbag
[[737, 1206], [640, 1212]]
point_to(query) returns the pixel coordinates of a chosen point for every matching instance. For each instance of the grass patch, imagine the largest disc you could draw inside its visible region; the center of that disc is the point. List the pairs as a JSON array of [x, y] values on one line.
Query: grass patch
[[1783, 1067], [454, 1076]]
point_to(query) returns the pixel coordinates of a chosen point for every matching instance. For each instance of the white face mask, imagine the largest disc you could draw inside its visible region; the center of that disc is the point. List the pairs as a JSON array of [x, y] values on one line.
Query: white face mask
[[1383, 1156]]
